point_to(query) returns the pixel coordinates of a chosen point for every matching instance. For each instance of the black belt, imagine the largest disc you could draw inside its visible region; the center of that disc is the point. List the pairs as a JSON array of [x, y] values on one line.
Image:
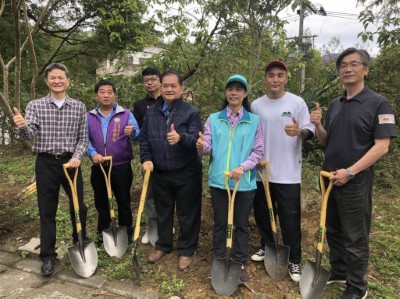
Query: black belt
[[56, 156]]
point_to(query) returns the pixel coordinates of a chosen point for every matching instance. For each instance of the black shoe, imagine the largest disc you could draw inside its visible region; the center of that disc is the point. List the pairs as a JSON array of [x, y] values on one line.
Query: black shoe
[[352, 293], [47, 267]]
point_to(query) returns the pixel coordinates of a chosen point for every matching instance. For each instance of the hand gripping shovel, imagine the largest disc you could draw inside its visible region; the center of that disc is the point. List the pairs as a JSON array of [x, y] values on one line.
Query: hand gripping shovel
[[225, 273], [276, 257], [83, 255], [135, 261], [115, 239], [314, 277]]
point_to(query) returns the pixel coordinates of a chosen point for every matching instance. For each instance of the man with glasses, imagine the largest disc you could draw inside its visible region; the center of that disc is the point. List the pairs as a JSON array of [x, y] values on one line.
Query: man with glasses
[[356, 134], [57, 123], [151, 84]]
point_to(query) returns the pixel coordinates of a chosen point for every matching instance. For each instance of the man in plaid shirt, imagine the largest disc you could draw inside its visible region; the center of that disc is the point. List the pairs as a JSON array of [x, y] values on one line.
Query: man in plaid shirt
[[58, 125]]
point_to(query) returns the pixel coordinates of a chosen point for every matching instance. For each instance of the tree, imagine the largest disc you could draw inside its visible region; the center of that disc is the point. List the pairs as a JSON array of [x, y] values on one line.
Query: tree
[[385, 16]]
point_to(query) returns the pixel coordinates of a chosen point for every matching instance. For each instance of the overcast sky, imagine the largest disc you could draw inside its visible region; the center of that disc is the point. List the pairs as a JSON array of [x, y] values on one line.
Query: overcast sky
[[345, 25]]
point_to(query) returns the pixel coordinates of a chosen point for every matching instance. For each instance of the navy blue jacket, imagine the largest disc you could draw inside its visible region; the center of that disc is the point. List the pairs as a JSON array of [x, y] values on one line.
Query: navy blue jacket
[[153, 136]]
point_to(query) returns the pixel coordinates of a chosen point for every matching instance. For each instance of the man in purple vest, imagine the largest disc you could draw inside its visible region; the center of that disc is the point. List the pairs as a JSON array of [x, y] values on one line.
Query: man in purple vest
[[111, 129]]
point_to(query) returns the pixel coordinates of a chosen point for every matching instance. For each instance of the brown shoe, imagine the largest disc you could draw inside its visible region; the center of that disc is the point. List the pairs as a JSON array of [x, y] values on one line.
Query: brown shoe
[[156, 255], [185, 262]]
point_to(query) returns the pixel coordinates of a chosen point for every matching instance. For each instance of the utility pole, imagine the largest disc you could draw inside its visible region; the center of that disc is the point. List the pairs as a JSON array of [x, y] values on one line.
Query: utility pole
[[302, 68]]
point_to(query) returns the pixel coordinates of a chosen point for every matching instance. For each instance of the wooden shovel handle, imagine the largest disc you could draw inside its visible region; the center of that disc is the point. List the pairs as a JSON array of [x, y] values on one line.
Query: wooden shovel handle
[[325, 195], [231, 205], [107, 179], [265, 182], [74, 194], [141, 203]]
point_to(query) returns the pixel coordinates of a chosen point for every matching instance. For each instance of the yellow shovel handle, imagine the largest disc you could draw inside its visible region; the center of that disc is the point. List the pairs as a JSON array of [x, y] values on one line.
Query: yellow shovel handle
[[74, 194], [141, 203], [231, 205]]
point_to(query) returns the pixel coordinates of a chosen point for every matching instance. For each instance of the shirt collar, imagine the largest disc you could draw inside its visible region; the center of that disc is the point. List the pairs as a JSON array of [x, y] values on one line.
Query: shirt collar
[[230, 113]]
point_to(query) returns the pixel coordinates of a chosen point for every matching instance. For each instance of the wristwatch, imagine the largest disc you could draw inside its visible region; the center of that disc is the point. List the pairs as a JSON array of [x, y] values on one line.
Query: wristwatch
[[350, 174]]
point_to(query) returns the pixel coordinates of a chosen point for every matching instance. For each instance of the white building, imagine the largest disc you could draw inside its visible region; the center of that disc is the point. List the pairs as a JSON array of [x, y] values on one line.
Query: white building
[[133, 62]]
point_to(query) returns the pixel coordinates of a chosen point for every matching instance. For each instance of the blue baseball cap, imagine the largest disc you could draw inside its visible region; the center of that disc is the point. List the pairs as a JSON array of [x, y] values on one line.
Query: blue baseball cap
[[237, 78]]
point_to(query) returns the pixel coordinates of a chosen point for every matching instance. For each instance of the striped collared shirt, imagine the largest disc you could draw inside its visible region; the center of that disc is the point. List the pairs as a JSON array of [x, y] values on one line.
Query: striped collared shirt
[[56, 130]]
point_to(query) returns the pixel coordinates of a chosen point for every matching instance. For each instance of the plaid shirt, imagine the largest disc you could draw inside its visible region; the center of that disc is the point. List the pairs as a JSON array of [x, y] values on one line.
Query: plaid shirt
[[56, 130]]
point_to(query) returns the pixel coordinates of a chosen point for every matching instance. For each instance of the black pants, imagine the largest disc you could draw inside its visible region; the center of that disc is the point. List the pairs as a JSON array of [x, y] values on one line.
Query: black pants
[[121, 182], [348, 225], [241, 213], [183, 189], [49, 177], [286, 204]]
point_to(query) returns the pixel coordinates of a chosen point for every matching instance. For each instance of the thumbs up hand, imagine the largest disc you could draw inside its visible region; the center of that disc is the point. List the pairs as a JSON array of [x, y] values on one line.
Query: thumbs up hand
[[293, 129], [18, 119], [200, 142], [316, 115], [129, 130], [173, 137]]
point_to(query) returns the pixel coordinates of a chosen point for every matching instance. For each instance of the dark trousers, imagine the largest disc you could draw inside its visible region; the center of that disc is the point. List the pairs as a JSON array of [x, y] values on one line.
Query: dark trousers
[[286, 203], [183, 189], [241, 213], [348, 225], [49, 176], [121, 182]]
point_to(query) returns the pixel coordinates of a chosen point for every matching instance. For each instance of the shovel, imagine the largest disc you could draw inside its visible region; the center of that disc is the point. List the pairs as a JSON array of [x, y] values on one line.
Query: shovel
[[83, 255], [135, 261], [225, 273], [115, 239], [314, 277], [276, 257]]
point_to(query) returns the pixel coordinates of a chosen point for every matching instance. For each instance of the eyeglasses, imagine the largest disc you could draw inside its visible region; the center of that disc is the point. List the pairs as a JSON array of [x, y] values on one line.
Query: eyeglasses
[[148, 80], [352, 65]]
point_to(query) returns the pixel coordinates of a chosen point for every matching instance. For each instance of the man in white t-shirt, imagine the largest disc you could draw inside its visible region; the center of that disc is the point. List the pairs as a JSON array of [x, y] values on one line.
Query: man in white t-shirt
[[286, 121]]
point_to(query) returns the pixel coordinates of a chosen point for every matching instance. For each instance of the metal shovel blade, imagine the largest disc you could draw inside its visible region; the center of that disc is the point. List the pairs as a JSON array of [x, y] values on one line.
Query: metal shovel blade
[[313, 280], [276, 260], [115, 245], [223, 284], [152, 230], [84, 265]]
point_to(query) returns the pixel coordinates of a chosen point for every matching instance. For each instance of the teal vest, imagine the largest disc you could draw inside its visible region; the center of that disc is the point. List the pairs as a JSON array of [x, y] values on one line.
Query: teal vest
[[231, 148]]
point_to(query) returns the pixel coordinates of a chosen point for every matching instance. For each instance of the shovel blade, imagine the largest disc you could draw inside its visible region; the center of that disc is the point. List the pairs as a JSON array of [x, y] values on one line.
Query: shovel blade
[[313, 280], [84, 266], [119, 247], [222, 286], [276, 260]]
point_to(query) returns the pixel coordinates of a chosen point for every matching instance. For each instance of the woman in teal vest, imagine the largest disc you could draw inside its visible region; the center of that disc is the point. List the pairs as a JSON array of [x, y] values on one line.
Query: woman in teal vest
[[234, 138]]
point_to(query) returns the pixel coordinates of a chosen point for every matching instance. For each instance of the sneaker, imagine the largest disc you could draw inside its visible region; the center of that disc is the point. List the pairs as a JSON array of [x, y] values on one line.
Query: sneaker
[[244, 276], [336, 279], [145, 238], [352, 293], [258, 256], [295, 271], [173, 230]]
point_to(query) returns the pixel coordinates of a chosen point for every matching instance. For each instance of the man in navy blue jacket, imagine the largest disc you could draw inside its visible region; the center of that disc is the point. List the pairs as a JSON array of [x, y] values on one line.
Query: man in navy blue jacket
[[168, 146]]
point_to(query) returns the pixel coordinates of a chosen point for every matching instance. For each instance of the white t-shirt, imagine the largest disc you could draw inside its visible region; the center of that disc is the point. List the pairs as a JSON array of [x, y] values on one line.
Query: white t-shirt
[[282, 152]]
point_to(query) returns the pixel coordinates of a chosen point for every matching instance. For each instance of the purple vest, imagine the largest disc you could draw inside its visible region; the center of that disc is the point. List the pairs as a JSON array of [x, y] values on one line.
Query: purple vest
[[117, 144]]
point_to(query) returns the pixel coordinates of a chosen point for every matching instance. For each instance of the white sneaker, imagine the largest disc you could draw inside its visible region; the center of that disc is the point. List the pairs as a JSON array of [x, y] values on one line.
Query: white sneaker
[[258, 256], [145, 238], [295, 271]]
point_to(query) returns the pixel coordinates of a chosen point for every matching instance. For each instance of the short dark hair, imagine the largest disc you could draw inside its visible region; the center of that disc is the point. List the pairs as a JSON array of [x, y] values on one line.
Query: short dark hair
[[103, 82], [56, 65], [175, 73], [365, 58], [151, 71]]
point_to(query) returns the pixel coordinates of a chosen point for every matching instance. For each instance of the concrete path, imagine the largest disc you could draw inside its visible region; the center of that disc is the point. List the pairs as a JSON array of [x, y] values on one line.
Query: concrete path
[[20, 278]]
